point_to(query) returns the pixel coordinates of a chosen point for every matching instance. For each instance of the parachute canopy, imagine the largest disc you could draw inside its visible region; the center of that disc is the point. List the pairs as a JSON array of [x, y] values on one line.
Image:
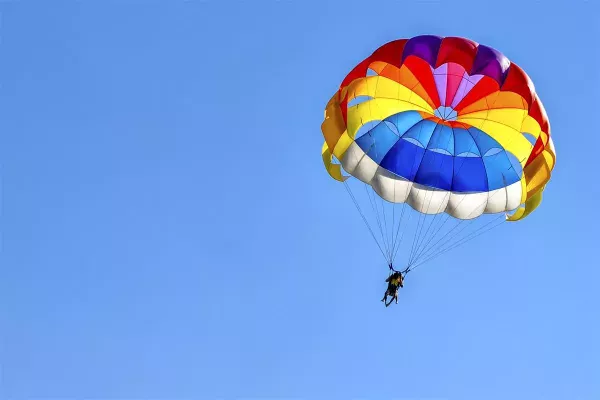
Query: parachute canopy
[[445, 125]]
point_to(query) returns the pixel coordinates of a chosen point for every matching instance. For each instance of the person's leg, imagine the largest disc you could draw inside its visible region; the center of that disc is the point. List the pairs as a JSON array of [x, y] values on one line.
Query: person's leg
[[388, 292]]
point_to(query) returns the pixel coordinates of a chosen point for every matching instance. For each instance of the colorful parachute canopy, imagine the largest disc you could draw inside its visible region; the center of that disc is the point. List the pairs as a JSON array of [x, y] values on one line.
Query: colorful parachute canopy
[[443, 124]]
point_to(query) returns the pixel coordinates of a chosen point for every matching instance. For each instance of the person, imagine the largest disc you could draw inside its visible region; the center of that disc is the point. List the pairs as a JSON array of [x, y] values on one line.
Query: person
[[394, 281]]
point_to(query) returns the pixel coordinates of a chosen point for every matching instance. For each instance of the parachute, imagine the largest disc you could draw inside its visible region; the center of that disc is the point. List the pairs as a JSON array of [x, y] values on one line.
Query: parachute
[[448, 138]]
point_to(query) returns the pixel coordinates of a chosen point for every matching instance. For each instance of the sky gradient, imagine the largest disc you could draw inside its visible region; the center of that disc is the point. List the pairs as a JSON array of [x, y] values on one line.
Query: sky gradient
[[169, 231]]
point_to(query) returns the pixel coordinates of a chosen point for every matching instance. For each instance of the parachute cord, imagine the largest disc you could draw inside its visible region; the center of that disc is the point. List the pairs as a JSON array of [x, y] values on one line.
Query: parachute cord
[[363, 217], [425, 241], [410, 214], [461, 242], [397, 229], [432, 251], [425, 248], [417, 230], [426, 252], [393, 222], [377, 217], [398, 243], [444, 240], [386, 229]]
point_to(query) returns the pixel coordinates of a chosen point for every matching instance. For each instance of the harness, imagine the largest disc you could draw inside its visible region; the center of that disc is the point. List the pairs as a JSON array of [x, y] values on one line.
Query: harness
[[402, 273]]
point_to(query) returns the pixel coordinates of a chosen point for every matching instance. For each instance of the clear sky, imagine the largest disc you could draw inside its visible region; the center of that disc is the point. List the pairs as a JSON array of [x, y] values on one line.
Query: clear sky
[[169, 232]]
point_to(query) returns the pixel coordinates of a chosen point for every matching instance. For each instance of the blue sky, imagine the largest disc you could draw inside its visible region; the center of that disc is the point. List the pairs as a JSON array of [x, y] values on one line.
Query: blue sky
[[169, 232]]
